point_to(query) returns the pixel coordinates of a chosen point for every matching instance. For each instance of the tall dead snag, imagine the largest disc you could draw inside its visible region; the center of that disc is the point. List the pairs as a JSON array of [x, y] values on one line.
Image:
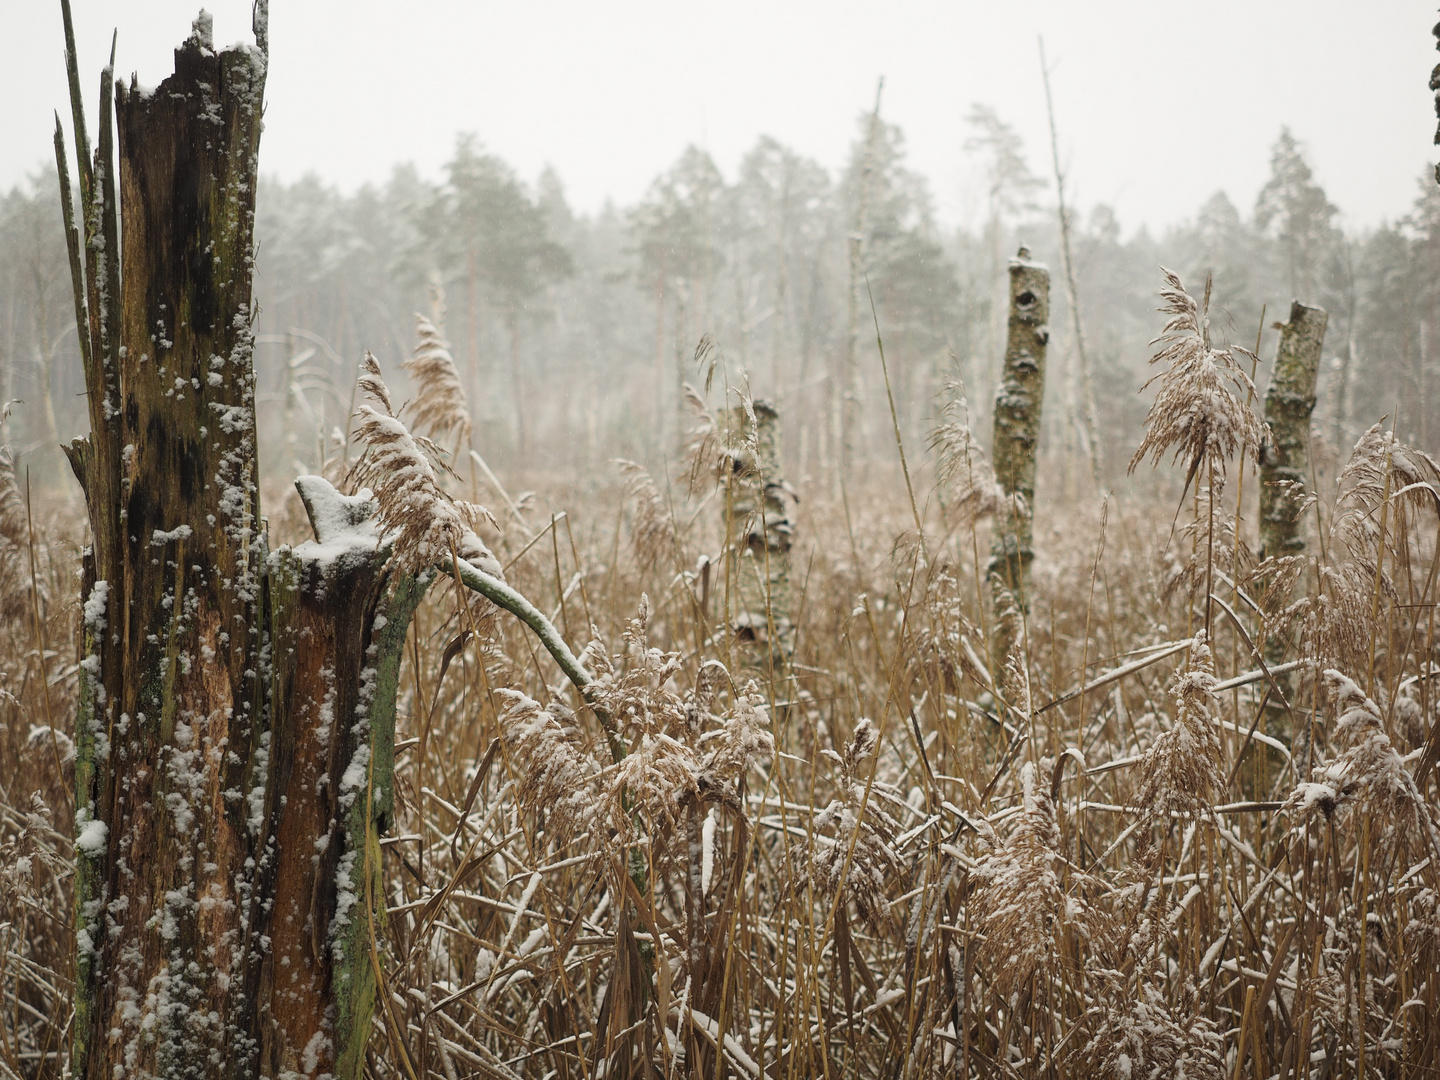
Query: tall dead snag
[[1435, 86], [1284, 477], [234, 749], [1285, 457], [758, 534], [170, 720], [849, 402], [1017, 426]]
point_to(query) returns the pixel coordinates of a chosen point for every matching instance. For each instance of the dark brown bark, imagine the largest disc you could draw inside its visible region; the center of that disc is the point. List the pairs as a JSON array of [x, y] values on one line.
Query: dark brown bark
[[339, 618], [234, 740], [166, 909]]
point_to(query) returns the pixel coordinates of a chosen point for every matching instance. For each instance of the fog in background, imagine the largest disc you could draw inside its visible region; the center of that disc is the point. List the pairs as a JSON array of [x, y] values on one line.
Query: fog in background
[[597, 187]]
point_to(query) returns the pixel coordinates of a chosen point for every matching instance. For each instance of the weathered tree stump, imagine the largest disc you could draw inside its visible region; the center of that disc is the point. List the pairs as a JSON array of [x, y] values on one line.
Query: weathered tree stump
[[234, 742], [759, 535], [1285, 457], [1284, 482], [1017, 433]]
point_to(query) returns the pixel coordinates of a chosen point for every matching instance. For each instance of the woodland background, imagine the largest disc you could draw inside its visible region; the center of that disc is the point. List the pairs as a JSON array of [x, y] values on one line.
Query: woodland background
[[575, 333]]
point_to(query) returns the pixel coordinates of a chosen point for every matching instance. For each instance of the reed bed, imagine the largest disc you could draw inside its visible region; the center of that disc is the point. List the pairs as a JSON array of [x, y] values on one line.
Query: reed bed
[[1185, 826]]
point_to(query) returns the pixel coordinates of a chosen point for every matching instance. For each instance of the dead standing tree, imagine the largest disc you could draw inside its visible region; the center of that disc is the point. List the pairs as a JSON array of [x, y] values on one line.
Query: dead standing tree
[[236, 720], [758, 537], [1285, 457], [1017, 433], [1284, 481], [170, 730]]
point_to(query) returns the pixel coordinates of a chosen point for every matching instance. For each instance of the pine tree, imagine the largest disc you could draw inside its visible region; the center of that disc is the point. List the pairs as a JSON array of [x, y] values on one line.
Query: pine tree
[[497, 238], [1293, 209], [677, 232]]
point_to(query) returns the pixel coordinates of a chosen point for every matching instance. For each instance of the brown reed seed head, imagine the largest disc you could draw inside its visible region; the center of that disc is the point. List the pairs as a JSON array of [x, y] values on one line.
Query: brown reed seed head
[[961, 466], [1369, 777], [853, 844], [424, 521], [1183, 770], [13, 518], [439, 407], [554, 774], [651, 528], [1019, 906], [1201, 412]]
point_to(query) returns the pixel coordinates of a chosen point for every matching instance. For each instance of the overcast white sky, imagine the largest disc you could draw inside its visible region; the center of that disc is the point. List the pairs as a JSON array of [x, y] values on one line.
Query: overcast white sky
[[1158, 104]]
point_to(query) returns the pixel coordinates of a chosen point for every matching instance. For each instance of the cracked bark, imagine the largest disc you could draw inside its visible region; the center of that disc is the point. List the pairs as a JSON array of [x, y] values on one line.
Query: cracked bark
[[1017, 431], [234, 739]]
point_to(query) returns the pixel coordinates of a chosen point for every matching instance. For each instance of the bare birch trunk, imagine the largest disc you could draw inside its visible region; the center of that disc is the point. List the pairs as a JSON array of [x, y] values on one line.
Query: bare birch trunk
[[1284, 478], [1017, 427], [759, 536], [1285, 458]]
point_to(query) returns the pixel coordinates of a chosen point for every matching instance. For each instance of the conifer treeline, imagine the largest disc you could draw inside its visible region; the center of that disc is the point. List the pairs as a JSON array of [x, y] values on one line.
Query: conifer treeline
[[574, 333]]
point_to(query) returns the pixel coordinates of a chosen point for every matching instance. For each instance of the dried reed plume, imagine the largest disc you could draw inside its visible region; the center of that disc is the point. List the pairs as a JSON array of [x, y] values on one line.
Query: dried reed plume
[[961, 465], [1369, 776], [555, 776], [13, 518], [851, 822], [15, 578], [426, 524], [1019, 907], [651, 528], [660, 770], [1201, 412], [1384, 482], [439, 405], [742, 742], [1183, 770], [1142, 1037], [1382, 469], [704, 451]]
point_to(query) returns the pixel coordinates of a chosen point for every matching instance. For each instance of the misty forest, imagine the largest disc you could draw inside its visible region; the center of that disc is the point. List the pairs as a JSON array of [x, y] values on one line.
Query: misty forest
[[759, 631]]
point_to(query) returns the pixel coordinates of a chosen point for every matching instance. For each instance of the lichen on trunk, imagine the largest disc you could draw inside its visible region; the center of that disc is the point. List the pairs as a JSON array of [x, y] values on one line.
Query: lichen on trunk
[[235, 733], [1017, 431], [1285, 457], [759, 534], [1284, 481]]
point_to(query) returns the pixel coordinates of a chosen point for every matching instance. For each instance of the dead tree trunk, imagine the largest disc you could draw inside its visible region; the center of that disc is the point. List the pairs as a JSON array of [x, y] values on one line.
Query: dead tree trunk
[[758, 535], [166, 910], [1284, 478], [338, 620], [1017, 427], [849, 401], [234, 742], [1285, 458]]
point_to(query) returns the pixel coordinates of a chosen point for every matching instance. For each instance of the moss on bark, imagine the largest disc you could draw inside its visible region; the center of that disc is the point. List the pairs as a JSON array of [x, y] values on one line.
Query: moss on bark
[[1018, 405]]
